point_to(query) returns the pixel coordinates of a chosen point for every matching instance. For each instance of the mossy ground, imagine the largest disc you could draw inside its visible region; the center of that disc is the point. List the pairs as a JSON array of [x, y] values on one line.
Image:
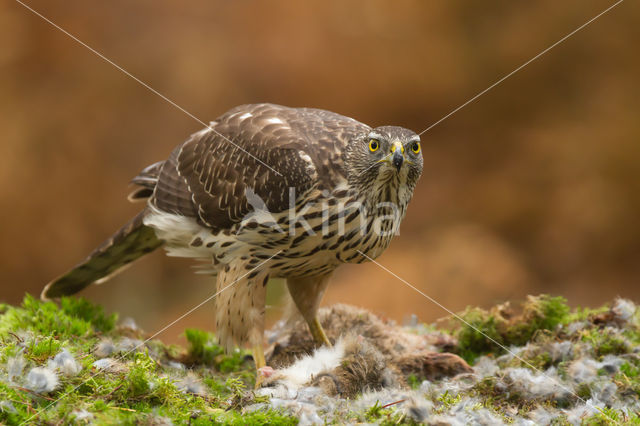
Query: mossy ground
[[544, 323], [147, 390], [159, 384]]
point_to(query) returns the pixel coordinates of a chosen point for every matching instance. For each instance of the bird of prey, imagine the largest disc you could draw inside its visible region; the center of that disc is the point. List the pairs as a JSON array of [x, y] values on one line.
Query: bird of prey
[[266, 191]]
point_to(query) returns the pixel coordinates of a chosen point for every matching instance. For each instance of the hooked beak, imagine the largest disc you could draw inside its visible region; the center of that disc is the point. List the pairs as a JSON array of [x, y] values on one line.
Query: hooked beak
[[398, 155]]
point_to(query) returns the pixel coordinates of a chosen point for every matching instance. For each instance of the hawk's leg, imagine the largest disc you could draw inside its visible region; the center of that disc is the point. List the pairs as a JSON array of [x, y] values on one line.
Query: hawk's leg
[[262, 370], [307, 293], [240, 306]]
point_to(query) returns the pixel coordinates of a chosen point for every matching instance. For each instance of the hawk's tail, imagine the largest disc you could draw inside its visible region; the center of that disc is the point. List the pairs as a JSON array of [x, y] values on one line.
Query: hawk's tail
[[131, 242]]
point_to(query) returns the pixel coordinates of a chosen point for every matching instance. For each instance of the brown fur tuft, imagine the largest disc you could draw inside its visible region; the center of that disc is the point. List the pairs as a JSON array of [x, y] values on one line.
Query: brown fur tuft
[[378, 354]]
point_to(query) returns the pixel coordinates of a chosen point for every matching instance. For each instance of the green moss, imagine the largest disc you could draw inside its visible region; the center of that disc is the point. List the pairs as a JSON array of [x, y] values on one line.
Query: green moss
[[40, 349], [583, 391], [140, 374], [144, 392], [632, 332], [630, 370], [375, 412], [484, 332], [381, 415], [540, 361], [606, 416], [585, 314], [449, 400], [93, 314], [628, 379], [606, 341], [203, 349], [414, 381], [74, 318], [201, 345], [540, 313], [270, 417], [479, 334]]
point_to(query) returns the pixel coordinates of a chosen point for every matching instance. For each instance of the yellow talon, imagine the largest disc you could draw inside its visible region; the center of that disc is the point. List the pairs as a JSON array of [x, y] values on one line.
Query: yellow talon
[[258, 358], [318, 333]]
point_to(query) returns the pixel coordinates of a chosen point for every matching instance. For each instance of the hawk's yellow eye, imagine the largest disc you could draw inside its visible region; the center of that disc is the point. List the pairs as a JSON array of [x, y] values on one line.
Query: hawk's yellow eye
[[415, 147], [373, 145]]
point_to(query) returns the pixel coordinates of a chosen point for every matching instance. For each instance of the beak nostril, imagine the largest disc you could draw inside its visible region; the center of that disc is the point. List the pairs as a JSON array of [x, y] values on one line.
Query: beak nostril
[[397, 159]]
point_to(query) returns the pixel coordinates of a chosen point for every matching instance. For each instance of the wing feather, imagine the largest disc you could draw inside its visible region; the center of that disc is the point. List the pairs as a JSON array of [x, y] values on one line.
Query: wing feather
[[274, 148]]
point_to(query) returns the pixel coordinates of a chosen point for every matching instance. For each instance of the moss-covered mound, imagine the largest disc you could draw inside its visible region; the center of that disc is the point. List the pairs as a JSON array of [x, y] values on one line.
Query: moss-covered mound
[[70, 362], [540, 364]]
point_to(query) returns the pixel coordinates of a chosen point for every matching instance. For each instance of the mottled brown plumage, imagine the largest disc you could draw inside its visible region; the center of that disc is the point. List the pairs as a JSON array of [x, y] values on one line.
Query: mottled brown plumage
[[267, 191], [206, 177]]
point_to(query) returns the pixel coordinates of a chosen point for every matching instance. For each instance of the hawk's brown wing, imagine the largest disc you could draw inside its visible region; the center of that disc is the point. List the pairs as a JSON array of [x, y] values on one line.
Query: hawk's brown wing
[[274, 148]]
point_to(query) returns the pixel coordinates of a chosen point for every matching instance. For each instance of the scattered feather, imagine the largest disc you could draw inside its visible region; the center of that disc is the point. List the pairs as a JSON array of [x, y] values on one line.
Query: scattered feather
[[65, 363], [535, 385], [176, 365], [82, 415], [577, 414], [542, 416], [623, 309], [485, 366], [42, 380], [104, 348], [158, 420], [560, 351], [191, 384], [576, 326], [15, 365], [109, 365], [583, 370], [7, 407], [129, 323], [128, 344]]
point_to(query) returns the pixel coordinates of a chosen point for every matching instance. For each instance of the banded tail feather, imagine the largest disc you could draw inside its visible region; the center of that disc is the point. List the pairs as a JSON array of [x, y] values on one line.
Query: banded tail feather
[[131, 242]]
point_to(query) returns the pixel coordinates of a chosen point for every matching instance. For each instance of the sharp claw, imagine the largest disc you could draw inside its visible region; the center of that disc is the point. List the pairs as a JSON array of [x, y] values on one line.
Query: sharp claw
[[318, 333]]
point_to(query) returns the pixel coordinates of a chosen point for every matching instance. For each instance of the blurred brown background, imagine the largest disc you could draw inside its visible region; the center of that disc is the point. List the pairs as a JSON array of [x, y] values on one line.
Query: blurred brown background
[[534, 187]]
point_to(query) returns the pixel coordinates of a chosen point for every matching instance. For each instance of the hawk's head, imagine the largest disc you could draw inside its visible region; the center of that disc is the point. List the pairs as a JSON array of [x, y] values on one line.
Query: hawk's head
[[385, 163]]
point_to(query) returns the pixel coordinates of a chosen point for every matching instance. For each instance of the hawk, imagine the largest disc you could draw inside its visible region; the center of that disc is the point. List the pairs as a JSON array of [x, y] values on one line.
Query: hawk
[[266, 191]]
